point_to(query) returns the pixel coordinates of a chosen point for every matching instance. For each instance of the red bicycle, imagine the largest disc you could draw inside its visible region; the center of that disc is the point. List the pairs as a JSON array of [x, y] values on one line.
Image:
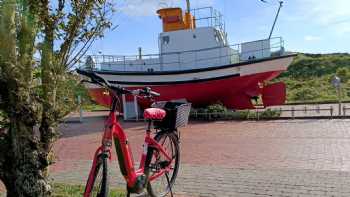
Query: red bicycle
[[159, 162]]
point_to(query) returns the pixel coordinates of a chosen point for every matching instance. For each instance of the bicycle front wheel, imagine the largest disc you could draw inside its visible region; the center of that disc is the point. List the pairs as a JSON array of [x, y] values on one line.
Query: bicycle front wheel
[[162, 185], [97, 184]]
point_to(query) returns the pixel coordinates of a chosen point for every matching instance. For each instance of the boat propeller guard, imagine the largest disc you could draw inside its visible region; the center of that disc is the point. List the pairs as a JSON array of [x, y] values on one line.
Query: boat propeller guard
[[274, 94]]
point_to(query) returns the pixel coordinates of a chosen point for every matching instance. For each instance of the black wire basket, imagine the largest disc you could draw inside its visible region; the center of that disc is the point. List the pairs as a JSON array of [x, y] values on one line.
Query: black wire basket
[[177, 114]]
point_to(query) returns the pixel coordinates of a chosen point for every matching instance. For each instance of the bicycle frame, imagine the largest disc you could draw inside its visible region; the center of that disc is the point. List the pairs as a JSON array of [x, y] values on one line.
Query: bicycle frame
[[114, 131]]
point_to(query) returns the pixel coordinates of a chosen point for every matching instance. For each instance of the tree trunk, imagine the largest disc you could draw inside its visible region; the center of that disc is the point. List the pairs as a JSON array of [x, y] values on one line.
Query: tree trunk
[[24, 166]]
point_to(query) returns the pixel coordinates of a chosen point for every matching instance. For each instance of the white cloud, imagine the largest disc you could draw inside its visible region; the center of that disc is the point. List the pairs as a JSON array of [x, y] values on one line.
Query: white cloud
[[149, 7], [312, 38], [332, 14]]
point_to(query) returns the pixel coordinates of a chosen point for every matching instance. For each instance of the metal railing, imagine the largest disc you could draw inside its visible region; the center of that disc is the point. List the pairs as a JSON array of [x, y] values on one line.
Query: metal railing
[[209, 17], [275, 113], [184, 60]]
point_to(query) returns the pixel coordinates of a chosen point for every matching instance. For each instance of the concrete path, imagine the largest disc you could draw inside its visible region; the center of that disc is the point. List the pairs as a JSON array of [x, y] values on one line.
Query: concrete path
[[273, 158]]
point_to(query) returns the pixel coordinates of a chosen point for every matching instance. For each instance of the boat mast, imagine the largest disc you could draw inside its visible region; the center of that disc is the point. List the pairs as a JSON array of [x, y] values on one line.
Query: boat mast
[[188, 6], [274, 23]]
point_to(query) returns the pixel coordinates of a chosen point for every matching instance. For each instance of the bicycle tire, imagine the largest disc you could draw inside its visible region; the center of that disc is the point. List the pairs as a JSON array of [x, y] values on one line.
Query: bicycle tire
[[175, 155], [103, 184]]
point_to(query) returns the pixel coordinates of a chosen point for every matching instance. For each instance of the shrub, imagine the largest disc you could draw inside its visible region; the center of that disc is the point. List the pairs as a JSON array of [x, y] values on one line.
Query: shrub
[[269, 113], [220, 112]]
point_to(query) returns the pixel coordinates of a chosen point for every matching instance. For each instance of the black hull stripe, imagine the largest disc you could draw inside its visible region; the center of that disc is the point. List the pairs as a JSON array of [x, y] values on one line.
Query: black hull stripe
[[192, 70], [173, 82]]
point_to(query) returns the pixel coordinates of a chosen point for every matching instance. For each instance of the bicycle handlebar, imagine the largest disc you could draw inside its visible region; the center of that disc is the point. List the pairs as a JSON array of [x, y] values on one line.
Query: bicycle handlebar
[[146, 92], [96, 79]]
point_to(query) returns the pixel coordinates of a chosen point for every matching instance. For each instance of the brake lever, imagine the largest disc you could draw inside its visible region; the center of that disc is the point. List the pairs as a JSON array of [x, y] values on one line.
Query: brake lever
[[154, 94]]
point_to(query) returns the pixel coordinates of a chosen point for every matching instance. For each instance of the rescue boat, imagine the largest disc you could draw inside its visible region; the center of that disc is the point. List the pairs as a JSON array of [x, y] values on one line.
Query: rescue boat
[[196, 63]]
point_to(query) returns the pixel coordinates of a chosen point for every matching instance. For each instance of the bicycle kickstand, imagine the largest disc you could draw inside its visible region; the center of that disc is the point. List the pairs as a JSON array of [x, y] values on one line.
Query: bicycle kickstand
[[167, 178]]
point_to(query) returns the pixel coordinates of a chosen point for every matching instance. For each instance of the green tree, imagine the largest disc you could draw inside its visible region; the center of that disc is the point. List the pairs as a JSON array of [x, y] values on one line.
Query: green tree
[[39, 42]]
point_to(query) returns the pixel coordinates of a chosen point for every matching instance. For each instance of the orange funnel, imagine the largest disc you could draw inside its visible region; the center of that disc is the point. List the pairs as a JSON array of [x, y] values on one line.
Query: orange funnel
[[174, 20]]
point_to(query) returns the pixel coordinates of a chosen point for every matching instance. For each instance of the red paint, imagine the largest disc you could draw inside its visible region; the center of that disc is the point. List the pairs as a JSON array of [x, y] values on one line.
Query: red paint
[[234, 92], [89, 184], [274, 94], [101, 96]]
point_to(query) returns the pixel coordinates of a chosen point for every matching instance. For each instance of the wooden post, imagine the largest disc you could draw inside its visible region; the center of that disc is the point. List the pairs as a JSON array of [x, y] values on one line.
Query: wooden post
[[318, 109], [331, 110]]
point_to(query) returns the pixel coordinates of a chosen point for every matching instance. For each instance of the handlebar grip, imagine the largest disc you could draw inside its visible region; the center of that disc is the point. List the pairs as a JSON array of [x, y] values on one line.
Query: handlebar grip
[[148, 91], [154, 93], [145, 92]]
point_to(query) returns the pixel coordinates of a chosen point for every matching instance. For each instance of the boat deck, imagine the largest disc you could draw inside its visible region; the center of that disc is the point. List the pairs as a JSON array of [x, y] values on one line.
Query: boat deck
[[188, 60]]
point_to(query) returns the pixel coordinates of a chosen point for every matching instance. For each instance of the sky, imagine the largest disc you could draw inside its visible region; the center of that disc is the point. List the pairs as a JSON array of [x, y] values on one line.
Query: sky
[[311, 26]]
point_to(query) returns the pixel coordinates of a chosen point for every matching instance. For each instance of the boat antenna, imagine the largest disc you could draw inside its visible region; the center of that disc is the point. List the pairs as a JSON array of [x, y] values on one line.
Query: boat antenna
[[188, 6], [274, 22]]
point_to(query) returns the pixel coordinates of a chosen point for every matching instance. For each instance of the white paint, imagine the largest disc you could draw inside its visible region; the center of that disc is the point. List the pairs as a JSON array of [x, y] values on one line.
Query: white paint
[[179, 50], [189, 40], [250, 69], [125, 115], [136, 106], [266, 66], [173, 77], [255, 50]]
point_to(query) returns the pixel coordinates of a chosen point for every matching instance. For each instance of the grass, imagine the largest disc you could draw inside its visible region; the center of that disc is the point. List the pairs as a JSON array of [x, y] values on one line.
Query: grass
[[64, 190], [94, 107]]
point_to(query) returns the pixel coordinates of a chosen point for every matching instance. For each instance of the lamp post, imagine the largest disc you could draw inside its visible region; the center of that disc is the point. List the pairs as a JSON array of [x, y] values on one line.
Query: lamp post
[[336, 81]]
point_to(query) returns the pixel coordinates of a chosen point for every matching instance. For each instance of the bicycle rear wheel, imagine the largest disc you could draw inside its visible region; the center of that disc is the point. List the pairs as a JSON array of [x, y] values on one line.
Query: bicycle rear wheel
[[163, 184], [98, 184]]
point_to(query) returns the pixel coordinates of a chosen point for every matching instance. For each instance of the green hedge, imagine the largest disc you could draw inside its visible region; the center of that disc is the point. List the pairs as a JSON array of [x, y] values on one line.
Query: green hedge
[[220, 112]]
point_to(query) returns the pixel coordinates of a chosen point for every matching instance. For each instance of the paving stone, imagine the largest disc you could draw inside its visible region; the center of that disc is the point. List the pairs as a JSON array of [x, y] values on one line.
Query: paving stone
[[270, 158]]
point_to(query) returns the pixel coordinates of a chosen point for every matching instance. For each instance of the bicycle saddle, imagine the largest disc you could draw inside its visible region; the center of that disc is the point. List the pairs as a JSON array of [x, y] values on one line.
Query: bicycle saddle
[[154, 114]]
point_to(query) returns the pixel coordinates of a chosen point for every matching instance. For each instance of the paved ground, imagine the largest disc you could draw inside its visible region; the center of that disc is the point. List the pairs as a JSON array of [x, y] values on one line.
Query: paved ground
[[274, 158]]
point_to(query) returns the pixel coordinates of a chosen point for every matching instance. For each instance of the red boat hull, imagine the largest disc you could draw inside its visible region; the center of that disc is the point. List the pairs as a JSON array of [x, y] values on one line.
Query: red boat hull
[[235, 92]]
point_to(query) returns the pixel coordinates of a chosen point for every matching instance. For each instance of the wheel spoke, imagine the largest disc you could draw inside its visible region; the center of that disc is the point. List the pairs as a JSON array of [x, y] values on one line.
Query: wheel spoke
[[99, 186], [161, 186]]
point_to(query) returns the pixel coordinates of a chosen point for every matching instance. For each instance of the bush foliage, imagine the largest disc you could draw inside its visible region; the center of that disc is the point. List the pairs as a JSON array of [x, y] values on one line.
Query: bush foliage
[[220, 112]]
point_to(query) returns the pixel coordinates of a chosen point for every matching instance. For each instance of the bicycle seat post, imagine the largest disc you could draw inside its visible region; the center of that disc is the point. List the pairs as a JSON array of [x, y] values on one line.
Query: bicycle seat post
[[149, 126]]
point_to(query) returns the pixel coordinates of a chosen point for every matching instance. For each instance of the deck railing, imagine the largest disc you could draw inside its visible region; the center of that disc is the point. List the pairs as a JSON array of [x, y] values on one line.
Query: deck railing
[[185, 60], [209, 17]]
